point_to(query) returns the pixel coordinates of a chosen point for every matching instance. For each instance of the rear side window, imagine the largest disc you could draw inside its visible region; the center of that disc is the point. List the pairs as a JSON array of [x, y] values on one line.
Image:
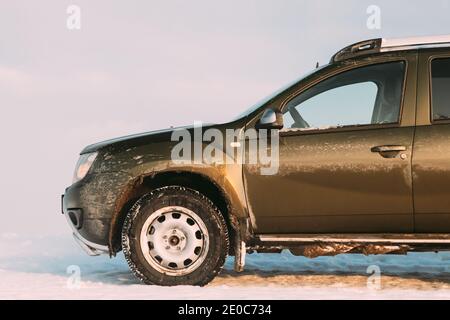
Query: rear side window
[[440, 89]]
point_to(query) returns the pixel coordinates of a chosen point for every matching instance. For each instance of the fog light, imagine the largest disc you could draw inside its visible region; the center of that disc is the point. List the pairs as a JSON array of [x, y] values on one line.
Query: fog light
[[76, 217]]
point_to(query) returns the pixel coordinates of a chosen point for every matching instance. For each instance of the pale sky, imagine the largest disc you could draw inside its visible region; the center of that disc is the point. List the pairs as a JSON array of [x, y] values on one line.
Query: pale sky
[[142, 65]]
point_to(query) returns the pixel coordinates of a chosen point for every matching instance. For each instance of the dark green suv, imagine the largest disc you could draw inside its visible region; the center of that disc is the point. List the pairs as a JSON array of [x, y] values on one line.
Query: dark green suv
[[360, 163]]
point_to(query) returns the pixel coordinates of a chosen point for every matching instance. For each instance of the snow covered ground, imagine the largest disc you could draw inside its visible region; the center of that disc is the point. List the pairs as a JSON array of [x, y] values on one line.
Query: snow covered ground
[[53, 267]]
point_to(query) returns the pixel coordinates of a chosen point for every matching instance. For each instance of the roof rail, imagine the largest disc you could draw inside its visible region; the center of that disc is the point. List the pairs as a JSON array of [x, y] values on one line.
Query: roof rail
[[358, 49], [416, 41], [384, 45]]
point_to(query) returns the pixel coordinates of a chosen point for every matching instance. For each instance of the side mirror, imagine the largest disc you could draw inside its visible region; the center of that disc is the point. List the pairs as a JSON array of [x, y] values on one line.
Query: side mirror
[[270, 120]]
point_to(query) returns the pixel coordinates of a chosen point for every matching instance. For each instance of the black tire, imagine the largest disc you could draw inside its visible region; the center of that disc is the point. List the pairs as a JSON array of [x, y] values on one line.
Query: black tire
[[218, 242]]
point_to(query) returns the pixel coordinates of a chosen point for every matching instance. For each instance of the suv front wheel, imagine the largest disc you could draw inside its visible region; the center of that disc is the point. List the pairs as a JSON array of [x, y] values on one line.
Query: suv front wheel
[[175, 236]]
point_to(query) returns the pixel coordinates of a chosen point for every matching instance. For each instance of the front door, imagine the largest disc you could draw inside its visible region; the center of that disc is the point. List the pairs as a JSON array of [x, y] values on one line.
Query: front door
[[344, 158]]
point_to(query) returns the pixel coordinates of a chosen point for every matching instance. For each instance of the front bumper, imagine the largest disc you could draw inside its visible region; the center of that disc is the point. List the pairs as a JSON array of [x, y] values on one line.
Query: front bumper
[[75, 220], [89, 205], [90, 248]]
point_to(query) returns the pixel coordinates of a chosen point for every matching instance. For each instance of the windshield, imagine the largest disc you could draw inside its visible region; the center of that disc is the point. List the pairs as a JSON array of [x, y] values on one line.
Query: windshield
[[262, 102]]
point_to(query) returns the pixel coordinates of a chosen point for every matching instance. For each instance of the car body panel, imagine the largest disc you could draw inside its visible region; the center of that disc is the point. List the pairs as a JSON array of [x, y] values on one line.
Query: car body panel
[[431, 162], [123, 164], [332, 182]]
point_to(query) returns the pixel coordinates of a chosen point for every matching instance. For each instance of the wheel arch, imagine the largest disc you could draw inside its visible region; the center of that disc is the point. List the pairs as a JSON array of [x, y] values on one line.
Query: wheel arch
[[235, 214]]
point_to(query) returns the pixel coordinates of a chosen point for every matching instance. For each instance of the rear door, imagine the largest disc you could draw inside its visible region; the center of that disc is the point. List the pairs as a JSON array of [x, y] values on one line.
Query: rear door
[[431, 160]]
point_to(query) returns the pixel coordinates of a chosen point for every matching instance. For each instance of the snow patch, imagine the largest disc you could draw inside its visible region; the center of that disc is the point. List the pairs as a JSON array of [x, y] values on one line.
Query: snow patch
[[52, 268]]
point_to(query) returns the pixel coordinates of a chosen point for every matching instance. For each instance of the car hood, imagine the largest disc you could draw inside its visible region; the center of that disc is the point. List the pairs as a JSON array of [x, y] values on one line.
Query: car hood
[[136, 139]]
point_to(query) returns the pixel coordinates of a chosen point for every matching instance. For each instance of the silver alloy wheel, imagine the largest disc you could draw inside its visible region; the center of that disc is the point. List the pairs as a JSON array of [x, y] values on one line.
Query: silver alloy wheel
[[174, 240]]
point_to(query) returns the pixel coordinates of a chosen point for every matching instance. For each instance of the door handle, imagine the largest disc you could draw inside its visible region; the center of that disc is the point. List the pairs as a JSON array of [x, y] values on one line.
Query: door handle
[[389, 148], [381, 149]]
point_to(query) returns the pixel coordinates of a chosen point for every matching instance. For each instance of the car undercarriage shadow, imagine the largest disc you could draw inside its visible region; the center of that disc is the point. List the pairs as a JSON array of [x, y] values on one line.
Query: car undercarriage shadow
[[311, 278]]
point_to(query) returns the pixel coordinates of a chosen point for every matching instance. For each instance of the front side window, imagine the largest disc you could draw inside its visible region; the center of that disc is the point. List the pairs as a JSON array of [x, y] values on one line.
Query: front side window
[[362, 96], [440, 84]]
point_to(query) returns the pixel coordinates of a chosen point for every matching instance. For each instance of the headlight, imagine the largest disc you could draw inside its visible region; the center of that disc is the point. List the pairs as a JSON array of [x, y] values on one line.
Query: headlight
[[83, 165]]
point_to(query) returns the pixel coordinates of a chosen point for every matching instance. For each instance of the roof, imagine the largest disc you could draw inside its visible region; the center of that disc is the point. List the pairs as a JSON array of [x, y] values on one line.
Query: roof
[[384, 45]]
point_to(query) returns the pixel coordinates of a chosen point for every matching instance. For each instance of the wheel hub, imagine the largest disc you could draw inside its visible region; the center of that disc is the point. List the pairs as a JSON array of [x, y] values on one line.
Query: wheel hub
[[174, 240]]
